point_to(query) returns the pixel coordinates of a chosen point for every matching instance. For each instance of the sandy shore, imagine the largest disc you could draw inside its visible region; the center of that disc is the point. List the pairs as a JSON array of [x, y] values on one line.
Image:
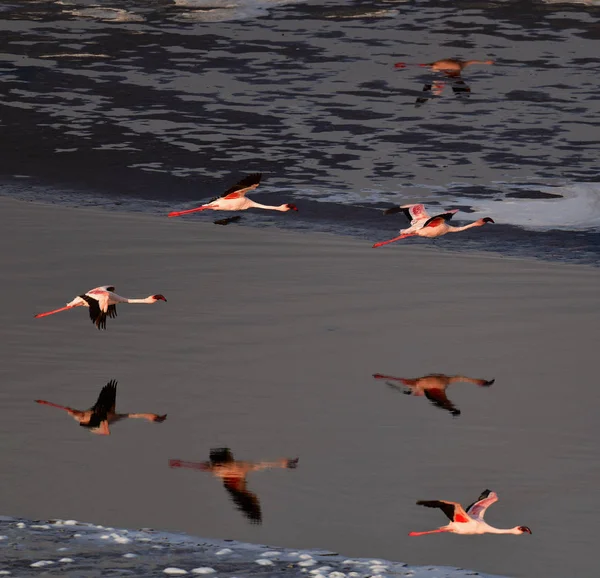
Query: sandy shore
[[267, 345]]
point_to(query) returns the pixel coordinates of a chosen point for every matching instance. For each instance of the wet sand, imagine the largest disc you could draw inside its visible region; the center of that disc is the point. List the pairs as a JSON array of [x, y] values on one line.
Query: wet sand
[[267, 345]]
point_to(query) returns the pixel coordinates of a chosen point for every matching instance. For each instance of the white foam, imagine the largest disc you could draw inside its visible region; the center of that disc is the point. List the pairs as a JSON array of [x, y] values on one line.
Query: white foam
[[174, 571], [42, 563], [270, 553], [307, 563], [4, 572], [264, 562], [40, 526], [578, 208], [66, 560], [205, 570], [130, 555], [224, 552]]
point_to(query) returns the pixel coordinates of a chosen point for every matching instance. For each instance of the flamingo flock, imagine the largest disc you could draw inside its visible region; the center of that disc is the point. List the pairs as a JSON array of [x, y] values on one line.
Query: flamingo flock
[[102, 302]]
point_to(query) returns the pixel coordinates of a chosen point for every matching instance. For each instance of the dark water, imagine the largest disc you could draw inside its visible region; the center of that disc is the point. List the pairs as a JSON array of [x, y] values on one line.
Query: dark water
[[151, 106], [156, 105]]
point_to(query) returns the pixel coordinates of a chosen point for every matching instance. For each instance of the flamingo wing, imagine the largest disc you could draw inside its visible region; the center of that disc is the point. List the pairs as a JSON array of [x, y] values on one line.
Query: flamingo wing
[[439, 219], [438, 398], [102, 289], [242, 187], [245, 500], [414, 213], [107, 399], [97, 316], [477, 509], [112, 311], [453, 510]]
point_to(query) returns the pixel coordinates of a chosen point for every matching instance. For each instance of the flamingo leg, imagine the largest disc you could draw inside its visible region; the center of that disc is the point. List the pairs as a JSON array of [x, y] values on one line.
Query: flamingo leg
[[392, 240], [197, 209], [428, 532], [381, 376], [190, 465], [54, 311], [44, 402]]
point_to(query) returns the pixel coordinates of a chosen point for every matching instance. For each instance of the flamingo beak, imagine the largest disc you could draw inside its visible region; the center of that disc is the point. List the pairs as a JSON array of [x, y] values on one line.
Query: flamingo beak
[[160, 298], [488, 220], [525, 529], [292, 207], [399, 65]]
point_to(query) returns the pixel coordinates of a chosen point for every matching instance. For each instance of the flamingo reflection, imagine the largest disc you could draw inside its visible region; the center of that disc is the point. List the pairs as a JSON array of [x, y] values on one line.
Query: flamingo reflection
[[233, 473], [451, 68], [103, 413], [433, 387]]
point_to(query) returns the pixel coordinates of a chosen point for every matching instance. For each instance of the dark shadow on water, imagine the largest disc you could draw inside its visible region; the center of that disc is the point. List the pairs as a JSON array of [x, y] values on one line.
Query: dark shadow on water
[[233, 473]]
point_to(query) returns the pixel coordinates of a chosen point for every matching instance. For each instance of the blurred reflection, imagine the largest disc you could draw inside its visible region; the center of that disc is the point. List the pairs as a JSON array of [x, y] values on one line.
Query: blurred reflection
[[103, 412], [233, 473], [452, 69], [433, 387]]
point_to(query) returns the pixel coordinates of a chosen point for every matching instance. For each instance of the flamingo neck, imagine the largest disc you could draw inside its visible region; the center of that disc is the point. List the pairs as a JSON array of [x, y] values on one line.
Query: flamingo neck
[[492, 530], [468, 62], [281, 208], [149, 299], [452, 229]]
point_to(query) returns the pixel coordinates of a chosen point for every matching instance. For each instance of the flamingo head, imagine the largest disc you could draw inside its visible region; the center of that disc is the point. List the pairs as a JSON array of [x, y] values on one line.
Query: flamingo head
[[290, 207], [158, 298], [487, 220], [400, 65], [524, 529]]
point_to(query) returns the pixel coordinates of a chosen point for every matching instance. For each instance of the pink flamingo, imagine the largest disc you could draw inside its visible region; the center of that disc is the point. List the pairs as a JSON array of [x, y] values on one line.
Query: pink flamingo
[[433, 387], [102, 302], [234, 199], [103, 413], [422, 225], [471, 521], [449, 66]]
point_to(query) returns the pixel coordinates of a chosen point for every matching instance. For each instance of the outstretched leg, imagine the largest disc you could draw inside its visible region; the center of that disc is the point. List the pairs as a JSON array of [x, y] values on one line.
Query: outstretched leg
[[381, 243], [428, 532], [196, 210], [54, 311]]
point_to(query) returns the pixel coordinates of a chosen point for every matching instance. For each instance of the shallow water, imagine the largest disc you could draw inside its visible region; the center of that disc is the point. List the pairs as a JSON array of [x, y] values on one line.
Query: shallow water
[[160, 104], [71, 548], [149, 106]]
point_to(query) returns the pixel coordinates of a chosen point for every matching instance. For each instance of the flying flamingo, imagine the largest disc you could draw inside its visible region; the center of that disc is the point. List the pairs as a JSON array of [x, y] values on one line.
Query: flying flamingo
[[233, 473], [102, 302], [449, 66], [471, 521], [422, 225], [433, 387], [234, 199], [102, 413]]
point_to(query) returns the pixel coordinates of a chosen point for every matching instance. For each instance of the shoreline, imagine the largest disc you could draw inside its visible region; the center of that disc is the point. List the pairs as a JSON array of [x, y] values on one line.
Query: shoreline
[[257, 221], [69, 547]]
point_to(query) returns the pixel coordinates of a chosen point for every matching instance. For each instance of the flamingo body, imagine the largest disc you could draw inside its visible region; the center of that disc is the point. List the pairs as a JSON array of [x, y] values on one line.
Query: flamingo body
[[103, 413], [470, 521], [433, 387], [422, 225], [233, 474], [102, 303], [234, 199]]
